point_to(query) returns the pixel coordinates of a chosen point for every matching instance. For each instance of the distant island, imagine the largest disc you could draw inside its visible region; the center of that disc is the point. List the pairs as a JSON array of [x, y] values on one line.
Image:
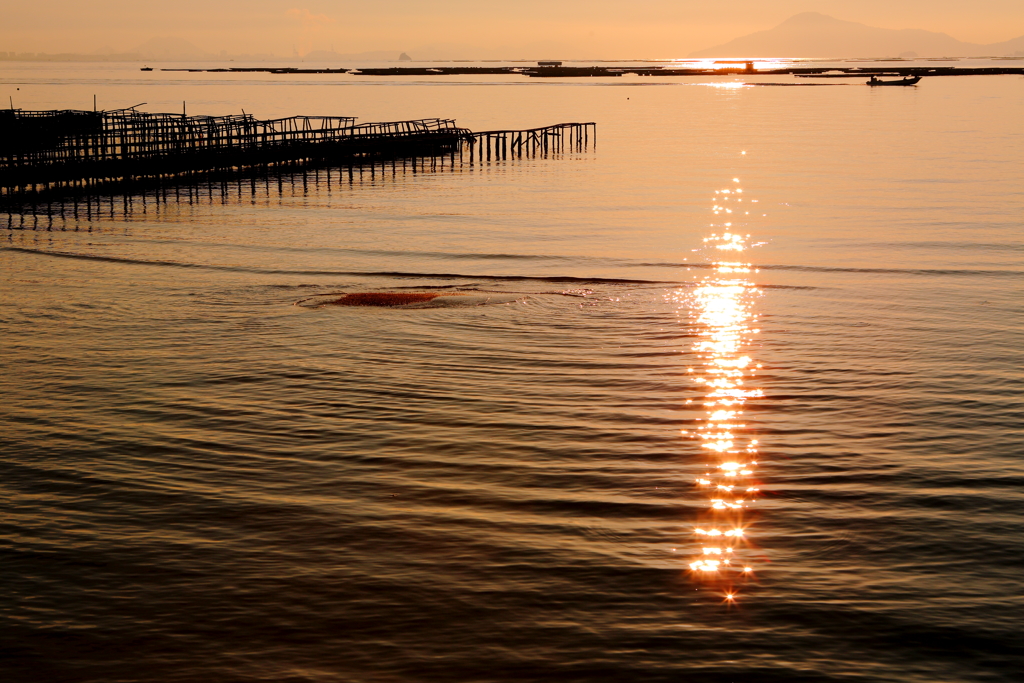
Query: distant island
[[811, 34]]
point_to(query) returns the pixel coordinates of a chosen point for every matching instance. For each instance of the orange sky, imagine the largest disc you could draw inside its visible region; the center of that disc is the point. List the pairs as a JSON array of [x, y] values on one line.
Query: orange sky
[[525, 28]]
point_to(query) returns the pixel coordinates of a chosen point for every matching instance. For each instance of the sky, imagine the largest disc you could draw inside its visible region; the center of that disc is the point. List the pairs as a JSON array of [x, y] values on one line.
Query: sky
[[598, 29]]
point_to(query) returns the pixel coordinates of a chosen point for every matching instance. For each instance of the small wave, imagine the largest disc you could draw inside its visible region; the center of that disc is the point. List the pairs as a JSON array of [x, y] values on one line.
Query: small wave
[[839, 269], [897, 271], [379, 273], [447, 255], [382, 273], [539, 278], [452, 255]]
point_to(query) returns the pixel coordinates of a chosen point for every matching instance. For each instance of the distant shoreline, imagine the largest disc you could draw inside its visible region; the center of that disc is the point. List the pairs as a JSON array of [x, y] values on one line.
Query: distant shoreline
[[138, 58], [720, 68]]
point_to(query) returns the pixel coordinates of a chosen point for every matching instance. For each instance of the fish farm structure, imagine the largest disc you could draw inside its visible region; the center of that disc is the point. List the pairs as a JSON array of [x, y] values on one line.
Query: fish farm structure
[[48, 153]]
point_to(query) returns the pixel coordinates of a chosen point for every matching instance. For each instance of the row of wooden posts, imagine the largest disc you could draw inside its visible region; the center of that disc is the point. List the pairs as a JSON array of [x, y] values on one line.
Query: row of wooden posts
[[562, 137], [272, 185]]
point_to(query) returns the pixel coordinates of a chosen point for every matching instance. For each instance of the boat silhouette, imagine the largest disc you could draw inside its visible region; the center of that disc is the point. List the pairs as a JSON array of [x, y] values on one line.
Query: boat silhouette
[[909, 80]]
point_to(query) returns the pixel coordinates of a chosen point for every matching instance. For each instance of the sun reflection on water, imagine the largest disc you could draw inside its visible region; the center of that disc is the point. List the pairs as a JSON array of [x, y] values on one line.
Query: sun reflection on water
[[721, 309]]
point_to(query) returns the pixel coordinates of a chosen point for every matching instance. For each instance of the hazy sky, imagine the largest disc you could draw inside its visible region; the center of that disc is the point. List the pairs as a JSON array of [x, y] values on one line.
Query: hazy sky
[[585, 28]]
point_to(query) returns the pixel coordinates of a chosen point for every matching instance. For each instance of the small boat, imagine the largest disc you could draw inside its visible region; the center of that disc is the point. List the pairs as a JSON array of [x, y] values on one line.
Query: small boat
[[146, 68], [909, 80]]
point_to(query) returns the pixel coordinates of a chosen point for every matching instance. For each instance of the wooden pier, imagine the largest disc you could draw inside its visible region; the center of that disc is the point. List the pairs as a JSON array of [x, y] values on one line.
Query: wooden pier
[[54, 152]]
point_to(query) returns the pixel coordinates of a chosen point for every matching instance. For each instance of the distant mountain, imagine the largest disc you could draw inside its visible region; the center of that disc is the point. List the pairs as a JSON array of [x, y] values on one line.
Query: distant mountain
[[1010, 48], [815, 35]]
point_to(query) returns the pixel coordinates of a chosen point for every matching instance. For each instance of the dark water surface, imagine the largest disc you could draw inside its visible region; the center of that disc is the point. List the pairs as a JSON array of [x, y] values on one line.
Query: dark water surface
[[203, 481]]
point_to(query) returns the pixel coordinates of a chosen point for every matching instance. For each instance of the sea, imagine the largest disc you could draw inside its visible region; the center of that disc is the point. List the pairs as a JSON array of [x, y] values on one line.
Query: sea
[[733, 394]]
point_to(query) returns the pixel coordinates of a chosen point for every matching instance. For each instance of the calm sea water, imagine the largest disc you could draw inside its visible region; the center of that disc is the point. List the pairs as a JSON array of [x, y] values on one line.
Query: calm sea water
[[203, 481]]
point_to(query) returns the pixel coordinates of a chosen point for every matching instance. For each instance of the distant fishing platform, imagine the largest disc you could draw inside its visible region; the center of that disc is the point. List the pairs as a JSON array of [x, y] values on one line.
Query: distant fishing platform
[[50, 152]]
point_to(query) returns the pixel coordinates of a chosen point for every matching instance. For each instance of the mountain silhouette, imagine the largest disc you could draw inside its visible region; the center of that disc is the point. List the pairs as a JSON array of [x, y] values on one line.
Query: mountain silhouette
[[811, 34]]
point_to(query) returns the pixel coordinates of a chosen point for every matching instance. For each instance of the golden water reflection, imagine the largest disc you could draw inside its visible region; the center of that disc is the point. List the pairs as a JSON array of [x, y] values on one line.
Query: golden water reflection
[[721, 310]]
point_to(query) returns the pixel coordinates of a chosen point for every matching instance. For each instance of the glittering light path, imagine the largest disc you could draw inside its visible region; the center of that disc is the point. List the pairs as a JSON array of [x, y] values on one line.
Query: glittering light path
[[721, 308]]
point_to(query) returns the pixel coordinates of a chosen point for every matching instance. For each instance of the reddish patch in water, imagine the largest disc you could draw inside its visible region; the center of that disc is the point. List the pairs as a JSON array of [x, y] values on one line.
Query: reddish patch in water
[[384, 298]]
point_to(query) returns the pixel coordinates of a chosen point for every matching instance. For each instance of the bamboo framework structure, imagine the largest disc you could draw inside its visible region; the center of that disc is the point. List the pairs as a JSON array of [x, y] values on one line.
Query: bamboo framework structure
[[47, 154], [561, 137]]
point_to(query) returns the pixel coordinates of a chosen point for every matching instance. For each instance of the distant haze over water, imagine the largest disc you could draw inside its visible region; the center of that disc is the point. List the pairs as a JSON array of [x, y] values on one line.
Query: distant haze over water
[[259, 29]]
